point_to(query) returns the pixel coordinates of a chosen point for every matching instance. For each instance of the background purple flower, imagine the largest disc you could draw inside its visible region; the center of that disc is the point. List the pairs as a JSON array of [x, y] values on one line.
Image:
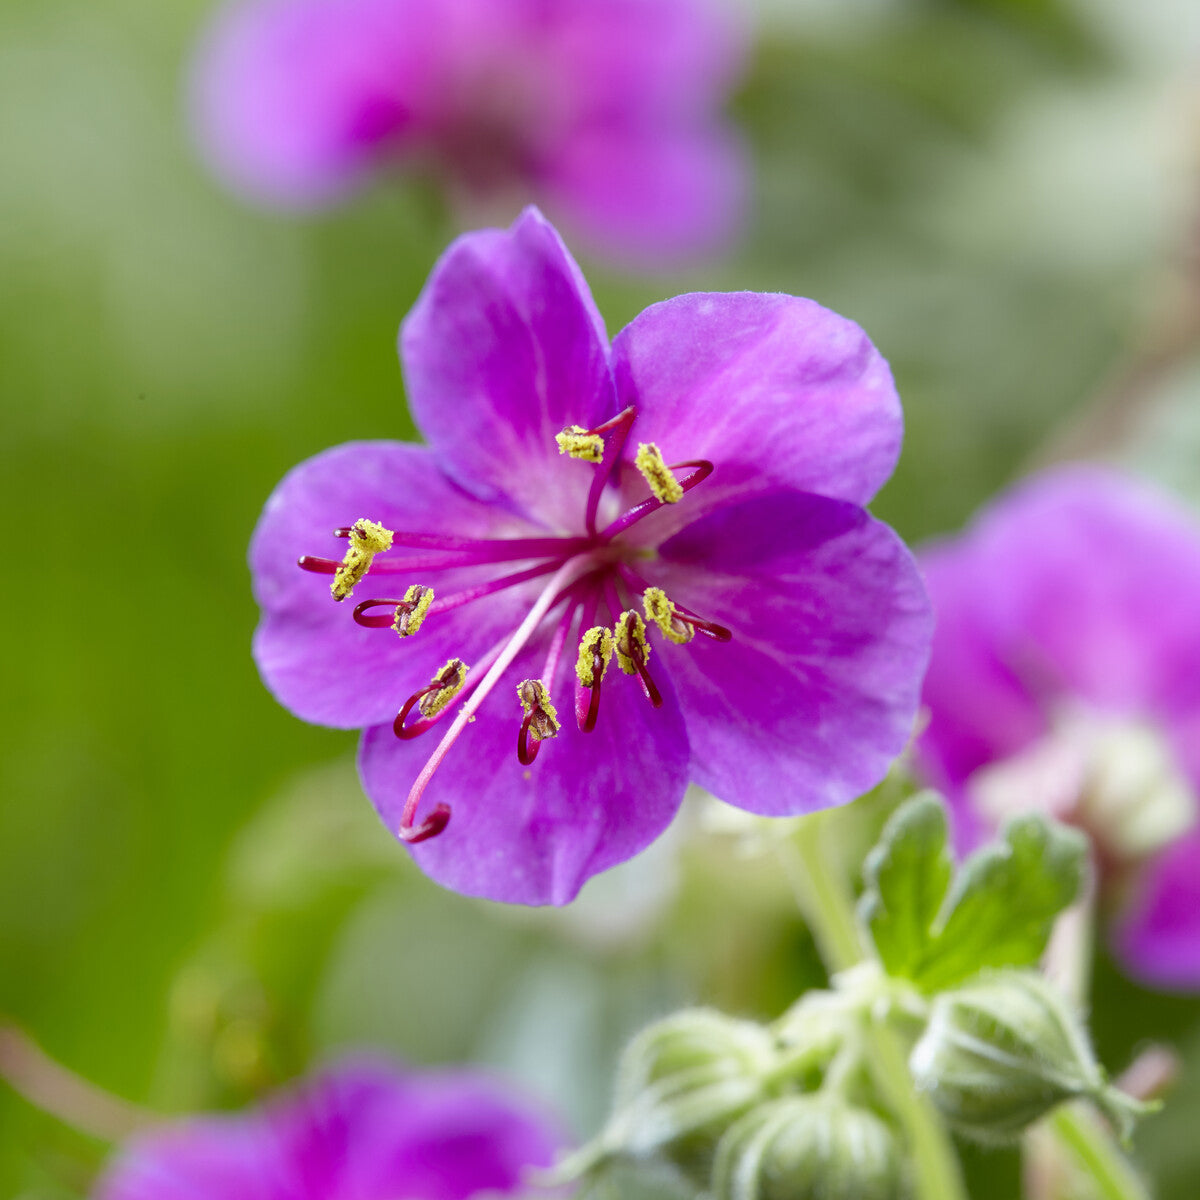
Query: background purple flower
[[606, 111], [811, 624], [360, 1130], [1066, 675]]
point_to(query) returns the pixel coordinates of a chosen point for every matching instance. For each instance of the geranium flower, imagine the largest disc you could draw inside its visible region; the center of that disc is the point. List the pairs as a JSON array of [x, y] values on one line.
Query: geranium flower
[[653, 557], [1066, 676], [606, 111], [360, 1130]]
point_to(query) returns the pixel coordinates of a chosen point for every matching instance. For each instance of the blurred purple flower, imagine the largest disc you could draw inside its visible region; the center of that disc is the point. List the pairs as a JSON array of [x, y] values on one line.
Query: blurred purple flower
[[360, 1130], [1066, 676], [605, 111], [790, 628]]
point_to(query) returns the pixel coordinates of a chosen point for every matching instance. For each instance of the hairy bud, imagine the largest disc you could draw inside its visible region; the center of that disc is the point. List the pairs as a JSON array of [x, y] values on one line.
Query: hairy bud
[[814, 1147], [683, 1081], [998, 1054]]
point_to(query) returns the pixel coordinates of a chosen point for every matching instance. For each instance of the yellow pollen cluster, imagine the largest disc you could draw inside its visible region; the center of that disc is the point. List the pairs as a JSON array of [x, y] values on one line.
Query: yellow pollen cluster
[[661, 611], [579, 443], [411, 614], [536, 702], [654, 470], [597, 641], [630, 642], [367, 539], [450, 680]]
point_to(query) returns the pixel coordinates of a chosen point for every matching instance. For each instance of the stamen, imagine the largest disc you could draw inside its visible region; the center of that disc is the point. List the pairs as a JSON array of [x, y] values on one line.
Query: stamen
[[618, 427], [541, 719], [432, 699], [629, 639], [703, 469], [580, 443], [664, 614], [406, 616], [412, 610], [553, 593], [657, 474], [367, 538], [633, 652], [595, 653], [710, 628]]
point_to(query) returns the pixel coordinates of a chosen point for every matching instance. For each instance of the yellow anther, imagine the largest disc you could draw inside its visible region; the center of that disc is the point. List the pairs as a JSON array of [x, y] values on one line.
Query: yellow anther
[[413, 611], [579, 443], [662, 612], [654, 470], [597, 642], [450, 680], [367, 539], [630, 643], [535, 700]]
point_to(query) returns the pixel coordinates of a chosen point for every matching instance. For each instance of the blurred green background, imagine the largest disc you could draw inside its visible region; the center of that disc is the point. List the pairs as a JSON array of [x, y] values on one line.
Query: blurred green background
[[195, 900]]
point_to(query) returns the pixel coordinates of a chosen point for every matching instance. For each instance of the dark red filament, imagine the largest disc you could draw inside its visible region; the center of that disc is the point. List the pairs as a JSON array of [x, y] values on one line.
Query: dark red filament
[[378, 622], [527, 750]]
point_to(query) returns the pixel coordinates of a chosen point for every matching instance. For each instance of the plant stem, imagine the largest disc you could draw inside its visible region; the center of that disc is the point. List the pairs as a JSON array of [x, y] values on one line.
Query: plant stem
[[1080, 1131], [828, 906]]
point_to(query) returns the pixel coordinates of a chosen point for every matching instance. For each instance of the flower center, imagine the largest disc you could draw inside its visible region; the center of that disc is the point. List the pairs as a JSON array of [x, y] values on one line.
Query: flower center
[[592, 592], [1116, 779]]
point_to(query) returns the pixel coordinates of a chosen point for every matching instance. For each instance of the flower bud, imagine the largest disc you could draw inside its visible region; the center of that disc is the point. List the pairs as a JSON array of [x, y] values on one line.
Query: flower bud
[[813, 1147], [998, 1054], [683, 1081]]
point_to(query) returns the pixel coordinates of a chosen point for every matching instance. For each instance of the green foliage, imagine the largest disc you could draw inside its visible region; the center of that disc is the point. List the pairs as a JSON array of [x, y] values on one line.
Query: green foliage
[[938, 929]]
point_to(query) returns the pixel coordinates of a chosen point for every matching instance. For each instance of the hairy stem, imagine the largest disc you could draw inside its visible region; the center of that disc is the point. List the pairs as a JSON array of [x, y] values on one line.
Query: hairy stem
[[828, 906], [1090, 1143]]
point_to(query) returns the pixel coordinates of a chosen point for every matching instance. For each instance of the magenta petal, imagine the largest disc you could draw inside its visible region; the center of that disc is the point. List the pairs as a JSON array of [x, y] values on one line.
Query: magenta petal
[[817, 692], [651, 197], [312, 655], [1079, 585], [1159, 938], [535, 835], [980, 710], [503, 350], [774, 389], [1103, 584], [454, 1136], [360, 1130], [292, 100]]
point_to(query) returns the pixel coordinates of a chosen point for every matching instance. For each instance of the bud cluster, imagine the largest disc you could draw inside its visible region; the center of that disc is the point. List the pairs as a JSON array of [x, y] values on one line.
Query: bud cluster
[[800, 1110]]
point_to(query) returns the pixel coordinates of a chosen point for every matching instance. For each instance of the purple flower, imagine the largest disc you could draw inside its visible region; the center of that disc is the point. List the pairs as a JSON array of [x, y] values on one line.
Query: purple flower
[[606, 111], [1066, 676], [360, 1130], [658, 548]]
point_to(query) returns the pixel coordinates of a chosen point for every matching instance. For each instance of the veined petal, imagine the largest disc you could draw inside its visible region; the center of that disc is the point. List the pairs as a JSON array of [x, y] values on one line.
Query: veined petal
[[1159, 938], [817, 692], [776, 390], [312, 655], [502, 351], [535, 835]]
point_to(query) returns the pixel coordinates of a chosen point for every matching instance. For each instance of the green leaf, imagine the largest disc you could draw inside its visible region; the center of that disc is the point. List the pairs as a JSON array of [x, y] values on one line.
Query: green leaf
[[998, 911], [907, 876], [1002, 906]]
